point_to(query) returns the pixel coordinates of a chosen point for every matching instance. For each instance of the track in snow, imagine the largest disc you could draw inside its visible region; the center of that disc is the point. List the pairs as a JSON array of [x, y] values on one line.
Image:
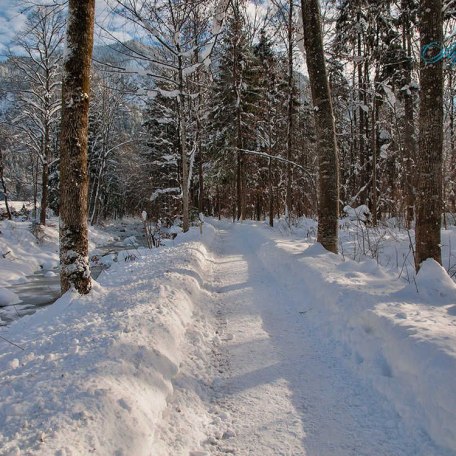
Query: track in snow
[[279, 389]]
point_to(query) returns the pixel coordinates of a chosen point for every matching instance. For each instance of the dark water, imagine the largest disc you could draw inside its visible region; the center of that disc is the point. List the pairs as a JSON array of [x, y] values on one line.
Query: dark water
[[41, 290]]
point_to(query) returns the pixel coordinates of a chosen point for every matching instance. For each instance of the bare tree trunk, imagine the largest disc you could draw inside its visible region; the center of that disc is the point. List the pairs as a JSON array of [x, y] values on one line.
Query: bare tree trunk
[[452, 138], [45, 173], [328, 211], [374, 161], [35, 187], [183, 147], [5, 190], [409, 122], [74, 184], [198, 134], [271, 194], [429, 166], [238, 185], [289, 200], [44, 192]]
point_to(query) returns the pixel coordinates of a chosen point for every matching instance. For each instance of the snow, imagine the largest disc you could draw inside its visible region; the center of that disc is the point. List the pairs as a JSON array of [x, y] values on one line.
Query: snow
[[219, 16], [241, 340], [22, 254], [389, 94], [8, 298], [97, 365], [164, 191], [361, 213]]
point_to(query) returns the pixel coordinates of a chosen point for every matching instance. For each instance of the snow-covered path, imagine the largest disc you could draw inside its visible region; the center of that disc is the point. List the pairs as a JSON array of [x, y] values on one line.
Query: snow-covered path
[[238, 341], [281, 389]]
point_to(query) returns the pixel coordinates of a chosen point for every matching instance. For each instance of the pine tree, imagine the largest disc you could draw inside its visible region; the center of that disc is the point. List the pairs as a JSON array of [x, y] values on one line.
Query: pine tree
[[271, 118], [162, 161], [234, 104]]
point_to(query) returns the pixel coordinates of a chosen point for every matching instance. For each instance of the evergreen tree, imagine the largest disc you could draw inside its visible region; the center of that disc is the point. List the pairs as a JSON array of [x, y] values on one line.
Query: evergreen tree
[[161, 156], [234, 102]]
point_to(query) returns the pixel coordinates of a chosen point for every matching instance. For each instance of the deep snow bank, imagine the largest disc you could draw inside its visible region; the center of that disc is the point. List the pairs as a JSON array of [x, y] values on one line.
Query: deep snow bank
[[22, 253], [96, 371], [400, 337]]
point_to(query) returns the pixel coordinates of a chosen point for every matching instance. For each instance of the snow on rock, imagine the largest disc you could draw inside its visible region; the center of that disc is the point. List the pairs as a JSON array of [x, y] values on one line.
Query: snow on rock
[[97, 371]]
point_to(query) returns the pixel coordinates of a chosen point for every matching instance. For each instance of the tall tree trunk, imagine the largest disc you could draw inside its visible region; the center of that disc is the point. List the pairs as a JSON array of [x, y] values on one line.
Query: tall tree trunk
[[409, 116], [374, 147], [289, 200], [271, 194], [429, 181], [44, 192], [452, 166], [183, 146], [45, 173], [328, 211], [46, 148], [35, 167], [74, 183], [238, 185], [198, 133], [5, 190], [364, 176], [200, 171]]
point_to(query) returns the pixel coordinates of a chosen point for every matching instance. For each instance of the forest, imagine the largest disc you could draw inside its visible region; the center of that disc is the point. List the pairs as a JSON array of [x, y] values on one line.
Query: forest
[[241, 97], [227, 227]]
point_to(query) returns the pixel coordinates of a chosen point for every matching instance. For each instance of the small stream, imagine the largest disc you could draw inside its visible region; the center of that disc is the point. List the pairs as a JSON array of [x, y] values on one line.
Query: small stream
[[43, 287]]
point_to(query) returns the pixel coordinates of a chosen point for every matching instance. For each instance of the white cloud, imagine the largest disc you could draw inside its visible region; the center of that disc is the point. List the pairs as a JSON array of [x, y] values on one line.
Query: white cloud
[[12, 21]]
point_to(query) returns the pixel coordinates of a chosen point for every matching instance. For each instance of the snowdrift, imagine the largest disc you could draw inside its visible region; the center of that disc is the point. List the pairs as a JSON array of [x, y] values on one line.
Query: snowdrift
[[95, 372], [400, 337]]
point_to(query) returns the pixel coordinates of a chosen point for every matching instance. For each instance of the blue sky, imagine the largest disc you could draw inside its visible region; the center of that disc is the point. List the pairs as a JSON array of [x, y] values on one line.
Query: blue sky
[[12, 21]]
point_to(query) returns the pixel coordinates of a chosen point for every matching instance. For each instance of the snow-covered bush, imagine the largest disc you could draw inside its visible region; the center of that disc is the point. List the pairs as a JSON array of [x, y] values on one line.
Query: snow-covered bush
[[360, 213]]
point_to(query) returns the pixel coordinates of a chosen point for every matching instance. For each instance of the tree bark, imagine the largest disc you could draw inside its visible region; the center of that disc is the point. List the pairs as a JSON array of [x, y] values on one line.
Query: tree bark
[[429, 166], [328, 211], [5, 190], [75, 271], [44, 192], [409, 119], [271, 194], [45, 170], [289, 199], [374, 115]]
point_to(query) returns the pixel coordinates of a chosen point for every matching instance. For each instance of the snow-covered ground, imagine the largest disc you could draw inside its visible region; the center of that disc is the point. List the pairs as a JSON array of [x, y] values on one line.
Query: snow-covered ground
[[246, 341], [23, 254]]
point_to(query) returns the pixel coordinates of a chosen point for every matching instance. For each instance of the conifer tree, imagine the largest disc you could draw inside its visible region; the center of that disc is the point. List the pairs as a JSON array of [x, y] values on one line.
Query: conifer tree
[[233, 102]]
